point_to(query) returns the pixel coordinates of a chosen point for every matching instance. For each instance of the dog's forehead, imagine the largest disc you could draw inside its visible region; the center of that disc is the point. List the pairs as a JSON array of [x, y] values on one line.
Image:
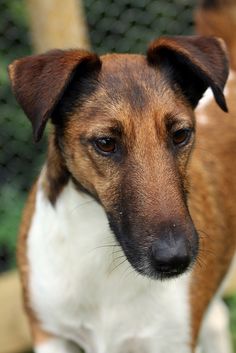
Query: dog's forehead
[[124, 70], [126, 88], [118, 62], [128, 79]]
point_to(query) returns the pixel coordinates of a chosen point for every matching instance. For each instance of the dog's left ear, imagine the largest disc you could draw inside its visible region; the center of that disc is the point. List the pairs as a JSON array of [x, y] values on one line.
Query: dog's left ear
[[193, 63], [39, 81]]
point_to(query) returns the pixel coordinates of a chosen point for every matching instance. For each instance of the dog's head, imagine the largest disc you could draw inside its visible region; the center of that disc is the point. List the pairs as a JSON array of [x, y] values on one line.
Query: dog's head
[[124, 126]]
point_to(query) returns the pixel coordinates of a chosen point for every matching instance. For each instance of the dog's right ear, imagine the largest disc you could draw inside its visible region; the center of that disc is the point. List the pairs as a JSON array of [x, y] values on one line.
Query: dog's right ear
[[39, 81], [194, 63]]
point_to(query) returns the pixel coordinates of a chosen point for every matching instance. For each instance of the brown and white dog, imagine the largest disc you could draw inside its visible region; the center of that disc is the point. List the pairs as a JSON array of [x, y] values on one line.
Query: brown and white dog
[[135, 192]]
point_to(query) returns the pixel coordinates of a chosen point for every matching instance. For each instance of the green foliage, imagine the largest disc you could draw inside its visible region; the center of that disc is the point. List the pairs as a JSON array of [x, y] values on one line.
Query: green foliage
[[10, 213], [14, 41], [19, 157], [128, 25], [231, 302]]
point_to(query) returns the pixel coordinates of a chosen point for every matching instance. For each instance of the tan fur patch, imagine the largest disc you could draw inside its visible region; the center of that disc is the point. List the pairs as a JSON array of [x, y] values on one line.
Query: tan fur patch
[[22, 247], [212, 202], [117, 114], [57, 174]]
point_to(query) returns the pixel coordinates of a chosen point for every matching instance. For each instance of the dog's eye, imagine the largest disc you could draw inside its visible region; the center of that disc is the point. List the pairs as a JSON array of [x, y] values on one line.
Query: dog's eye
[[181, 137], [106, 145]]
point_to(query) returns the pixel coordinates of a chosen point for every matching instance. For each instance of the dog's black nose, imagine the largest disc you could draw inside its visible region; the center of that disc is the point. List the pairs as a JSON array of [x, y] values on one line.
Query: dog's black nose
[[170, 254]]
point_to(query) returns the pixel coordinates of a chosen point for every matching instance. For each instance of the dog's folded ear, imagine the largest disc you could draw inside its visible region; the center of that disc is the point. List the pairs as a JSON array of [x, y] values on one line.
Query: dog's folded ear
[[39, 81], [193, 63]]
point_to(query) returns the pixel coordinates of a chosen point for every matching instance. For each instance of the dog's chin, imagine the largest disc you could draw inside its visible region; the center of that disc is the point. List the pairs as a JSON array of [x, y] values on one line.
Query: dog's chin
[[146, 269], [152, 273]]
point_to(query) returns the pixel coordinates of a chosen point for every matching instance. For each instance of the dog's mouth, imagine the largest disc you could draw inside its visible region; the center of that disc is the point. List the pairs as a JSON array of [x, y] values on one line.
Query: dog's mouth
[[167, 273], [164, 256], [146, 266]]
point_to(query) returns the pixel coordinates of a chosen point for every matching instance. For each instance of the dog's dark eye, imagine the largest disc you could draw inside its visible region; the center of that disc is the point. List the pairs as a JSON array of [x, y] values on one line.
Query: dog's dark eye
[[106, 145], [181, 137]]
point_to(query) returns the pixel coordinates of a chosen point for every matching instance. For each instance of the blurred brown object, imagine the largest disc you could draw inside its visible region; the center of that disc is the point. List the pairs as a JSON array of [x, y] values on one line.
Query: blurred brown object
[[57, 24], [14, 331]]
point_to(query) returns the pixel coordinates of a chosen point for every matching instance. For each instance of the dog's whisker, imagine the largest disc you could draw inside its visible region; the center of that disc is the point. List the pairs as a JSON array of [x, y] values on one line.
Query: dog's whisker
[[206, 251], [198, 263], [107, 246], [118, 265], [203, 234], [117, 251], [203, 252], [119, 257], [81, 205], [131, 271]]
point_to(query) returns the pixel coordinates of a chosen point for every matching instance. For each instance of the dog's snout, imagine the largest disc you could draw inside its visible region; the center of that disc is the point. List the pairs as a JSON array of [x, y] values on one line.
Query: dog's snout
[[170, 254]]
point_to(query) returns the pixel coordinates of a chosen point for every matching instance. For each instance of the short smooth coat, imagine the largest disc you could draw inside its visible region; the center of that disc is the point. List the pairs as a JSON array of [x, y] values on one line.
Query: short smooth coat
[[71, 244]]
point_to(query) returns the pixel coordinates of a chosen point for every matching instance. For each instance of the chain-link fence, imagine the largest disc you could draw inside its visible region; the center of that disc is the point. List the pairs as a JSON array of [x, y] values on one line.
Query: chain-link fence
[[122, 26]]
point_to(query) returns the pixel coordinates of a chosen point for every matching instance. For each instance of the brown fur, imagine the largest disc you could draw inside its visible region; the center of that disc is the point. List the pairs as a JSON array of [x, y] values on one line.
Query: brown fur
[[36, 101], [21, 250], [139, 102], [57, 174], [212, 204], [213, 173], [94, 118], [195, 51]]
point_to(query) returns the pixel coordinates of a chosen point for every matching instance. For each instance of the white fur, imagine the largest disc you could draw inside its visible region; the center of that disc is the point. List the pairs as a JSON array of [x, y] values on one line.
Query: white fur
[[215, 333], [201, 111], [56, 345], [83, 290]]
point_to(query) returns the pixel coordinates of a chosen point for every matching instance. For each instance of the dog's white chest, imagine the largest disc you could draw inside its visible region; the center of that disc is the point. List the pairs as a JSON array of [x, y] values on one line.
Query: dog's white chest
[[83, 289]]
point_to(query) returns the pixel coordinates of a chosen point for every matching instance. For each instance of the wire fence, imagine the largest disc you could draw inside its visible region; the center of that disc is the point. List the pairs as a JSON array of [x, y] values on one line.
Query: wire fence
[[121, 26]]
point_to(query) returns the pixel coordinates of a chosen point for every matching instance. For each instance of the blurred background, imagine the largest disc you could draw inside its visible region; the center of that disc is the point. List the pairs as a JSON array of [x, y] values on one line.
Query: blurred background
[[104, 26]]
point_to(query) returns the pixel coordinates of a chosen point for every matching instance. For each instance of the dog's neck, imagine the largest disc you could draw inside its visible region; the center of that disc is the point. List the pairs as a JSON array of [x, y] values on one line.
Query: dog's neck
[[56, 173], [75, 234]]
